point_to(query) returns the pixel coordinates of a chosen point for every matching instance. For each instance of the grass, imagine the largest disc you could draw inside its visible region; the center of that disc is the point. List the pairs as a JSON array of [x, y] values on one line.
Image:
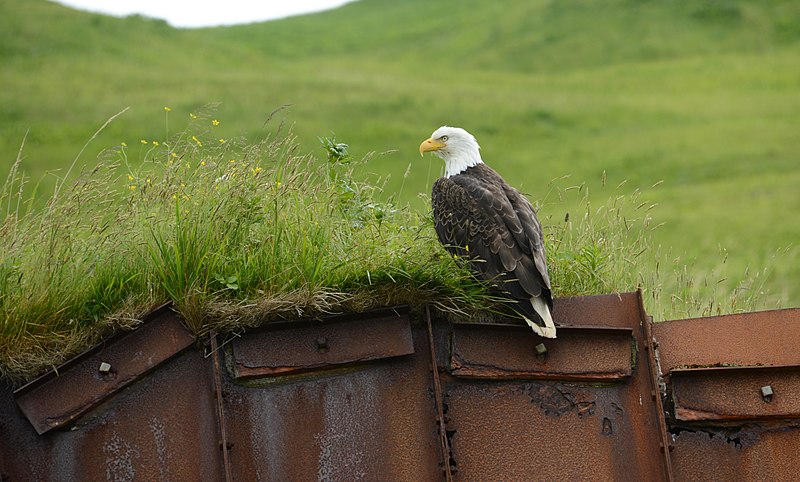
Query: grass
[[699, 97], [237, 233]]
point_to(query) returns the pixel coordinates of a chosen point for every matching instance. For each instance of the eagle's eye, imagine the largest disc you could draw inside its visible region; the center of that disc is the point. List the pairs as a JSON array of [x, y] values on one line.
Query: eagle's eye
[[443, 138]]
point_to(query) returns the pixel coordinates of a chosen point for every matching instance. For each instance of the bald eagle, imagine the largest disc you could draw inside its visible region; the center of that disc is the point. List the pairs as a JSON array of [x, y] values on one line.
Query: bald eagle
[[479, 217]]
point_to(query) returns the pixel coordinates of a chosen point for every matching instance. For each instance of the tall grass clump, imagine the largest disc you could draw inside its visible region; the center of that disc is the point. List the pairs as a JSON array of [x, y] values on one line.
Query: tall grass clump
[[235, 233], [609, 248], [238, 233]]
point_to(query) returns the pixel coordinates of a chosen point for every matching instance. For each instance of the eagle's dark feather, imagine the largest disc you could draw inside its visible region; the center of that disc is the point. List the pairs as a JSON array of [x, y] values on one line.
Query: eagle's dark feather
[[479, 217]]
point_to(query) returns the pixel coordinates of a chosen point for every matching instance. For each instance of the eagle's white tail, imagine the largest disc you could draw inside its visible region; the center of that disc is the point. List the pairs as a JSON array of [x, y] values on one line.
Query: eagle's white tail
[[541, 308]]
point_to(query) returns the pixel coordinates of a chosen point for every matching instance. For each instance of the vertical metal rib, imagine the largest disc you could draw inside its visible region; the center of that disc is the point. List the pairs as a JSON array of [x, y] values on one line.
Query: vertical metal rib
[[220, 408], [437, 393]]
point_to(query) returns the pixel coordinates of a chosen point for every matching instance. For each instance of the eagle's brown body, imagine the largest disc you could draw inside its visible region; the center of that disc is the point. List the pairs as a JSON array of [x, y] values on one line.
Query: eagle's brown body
[[478, 216]]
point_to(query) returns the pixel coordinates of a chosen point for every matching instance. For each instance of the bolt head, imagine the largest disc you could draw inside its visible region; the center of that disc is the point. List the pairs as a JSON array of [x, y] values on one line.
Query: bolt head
[[766, 393], [104, 367], [541, 350]]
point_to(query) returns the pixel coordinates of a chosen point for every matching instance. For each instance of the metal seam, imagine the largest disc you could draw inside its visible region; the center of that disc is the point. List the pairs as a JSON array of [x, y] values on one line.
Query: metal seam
[[220, 408], [437, 393], [654, 385]]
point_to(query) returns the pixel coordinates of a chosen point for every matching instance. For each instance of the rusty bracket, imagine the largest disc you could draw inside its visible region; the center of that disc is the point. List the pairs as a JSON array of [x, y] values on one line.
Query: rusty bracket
[[303, 346], [581, 353], [63, 395], [731, 394], [444, 444]]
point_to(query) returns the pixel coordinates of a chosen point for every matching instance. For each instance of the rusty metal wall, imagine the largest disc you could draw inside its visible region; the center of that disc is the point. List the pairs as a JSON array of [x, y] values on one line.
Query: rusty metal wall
[[732, 384], [363, 397], [159, 428], [582, 410]]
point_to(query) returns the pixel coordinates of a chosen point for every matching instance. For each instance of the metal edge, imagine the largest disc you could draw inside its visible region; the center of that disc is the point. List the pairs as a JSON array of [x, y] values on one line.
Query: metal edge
[[684, 372], [645, 322], [392, 311]]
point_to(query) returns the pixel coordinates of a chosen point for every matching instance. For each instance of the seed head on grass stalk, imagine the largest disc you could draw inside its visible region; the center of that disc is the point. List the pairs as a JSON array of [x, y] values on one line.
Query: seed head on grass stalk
[[271, 235]]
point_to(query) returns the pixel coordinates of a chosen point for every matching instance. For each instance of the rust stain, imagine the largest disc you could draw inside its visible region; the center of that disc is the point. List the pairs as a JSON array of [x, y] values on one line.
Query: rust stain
[[376, 421], [162, 427], [737, 454], [61, 396]]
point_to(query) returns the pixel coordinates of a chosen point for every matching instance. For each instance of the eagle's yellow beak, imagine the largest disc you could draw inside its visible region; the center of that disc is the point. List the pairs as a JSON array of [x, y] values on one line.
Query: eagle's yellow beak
[[430, 145]]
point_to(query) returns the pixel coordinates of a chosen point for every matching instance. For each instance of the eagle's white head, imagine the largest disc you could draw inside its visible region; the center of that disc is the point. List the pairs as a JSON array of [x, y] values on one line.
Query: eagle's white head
[[457, 147]]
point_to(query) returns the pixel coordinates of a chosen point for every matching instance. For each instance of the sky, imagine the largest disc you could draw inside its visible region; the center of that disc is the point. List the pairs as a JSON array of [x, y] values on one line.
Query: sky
[[206, 13]]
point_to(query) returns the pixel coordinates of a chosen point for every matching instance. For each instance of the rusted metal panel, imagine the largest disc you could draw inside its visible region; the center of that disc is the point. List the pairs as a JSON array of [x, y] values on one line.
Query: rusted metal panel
[[749, 454], [604, 311], [748, 339], [53, 399], [734, 382], [579, 353], [298, 347], [371, 421], [162, 427], [546, 430], [730, 394]]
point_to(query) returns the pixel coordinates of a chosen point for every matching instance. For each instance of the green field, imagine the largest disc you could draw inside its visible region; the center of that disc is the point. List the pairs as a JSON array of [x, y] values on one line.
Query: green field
[[702, 95]]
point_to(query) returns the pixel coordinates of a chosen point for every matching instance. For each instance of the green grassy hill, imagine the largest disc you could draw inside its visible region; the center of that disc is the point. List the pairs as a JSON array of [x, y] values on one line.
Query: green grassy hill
[[702, 95]]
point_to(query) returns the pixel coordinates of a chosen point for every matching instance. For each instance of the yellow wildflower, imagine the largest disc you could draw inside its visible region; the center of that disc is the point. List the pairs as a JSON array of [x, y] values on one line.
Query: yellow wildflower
[[192, 115], [132, 187], [143, 141], [167, 108], [155, 143], [124, 145], [130, 178], [222, 141], [215, 122], [202, 163]]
